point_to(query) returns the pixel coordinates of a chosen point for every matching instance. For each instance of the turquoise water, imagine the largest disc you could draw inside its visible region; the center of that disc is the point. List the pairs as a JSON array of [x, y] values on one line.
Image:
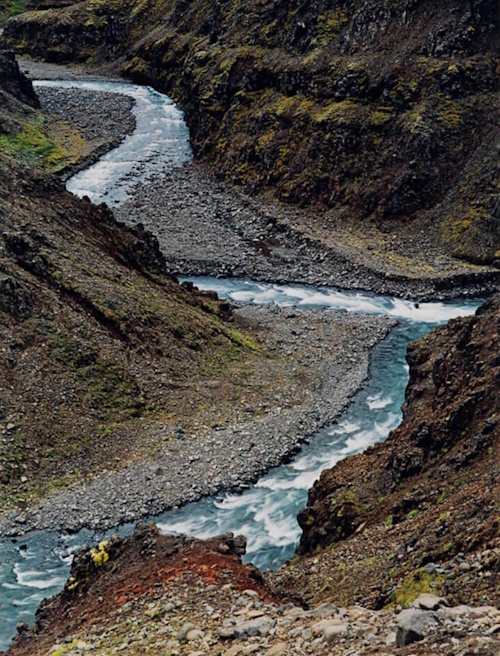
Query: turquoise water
[[159, 142], [36, 566]]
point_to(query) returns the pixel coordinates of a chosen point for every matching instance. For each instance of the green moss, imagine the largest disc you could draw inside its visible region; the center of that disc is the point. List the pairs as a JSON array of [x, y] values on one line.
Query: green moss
[[245, 341], [381, 116], [343, 111], [442, 497], [329, 26], [65, 649], [33, 145], [412, 513], [418, 583], [14, 7], [112, 390]]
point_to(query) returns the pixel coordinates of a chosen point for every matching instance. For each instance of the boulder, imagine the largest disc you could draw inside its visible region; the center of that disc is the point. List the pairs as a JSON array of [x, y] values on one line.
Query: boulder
[[414, 624]]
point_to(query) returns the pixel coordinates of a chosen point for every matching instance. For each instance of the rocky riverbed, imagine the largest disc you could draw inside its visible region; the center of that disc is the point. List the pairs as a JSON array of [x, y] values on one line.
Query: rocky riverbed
[[89, 112], [208, 227], [320, 360]]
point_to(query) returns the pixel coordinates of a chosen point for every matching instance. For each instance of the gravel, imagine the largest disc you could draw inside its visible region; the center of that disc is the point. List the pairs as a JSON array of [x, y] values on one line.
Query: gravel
[[89, 111], [333, 348], [210, 228], [103, 119]]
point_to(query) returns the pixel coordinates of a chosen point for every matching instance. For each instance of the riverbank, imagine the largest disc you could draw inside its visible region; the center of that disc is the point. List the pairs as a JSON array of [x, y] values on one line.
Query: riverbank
[[206, 227], [102, 119], [152, 594], [217, 438], [215, 228]]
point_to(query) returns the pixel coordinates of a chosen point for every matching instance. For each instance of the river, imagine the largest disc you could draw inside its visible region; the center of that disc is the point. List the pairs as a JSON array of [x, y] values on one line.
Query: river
[[37, 565]]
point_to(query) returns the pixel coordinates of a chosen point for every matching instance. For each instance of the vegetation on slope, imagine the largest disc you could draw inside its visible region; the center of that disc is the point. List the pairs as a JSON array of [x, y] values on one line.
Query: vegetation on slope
[[380, 112], [100, 348]]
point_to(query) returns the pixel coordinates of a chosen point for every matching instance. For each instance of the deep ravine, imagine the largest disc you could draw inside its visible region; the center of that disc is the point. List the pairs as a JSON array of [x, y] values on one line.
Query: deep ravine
[[37, 565]]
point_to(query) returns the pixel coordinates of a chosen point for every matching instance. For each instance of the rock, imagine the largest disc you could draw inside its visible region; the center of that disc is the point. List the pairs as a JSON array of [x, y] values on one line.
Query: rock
[[226, 632], [184, 630], [235, 650], [331, 633], [259, 627], [278, 650], [325, 610], [428, 601], [194, 634], [413, 625], [319, 628]]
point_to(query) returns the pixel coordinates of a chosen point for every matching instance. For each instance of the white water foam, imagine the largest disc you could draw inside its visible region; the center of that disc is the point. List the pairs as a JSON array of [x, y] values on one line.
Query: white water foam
[[358, 302], [159, 142]]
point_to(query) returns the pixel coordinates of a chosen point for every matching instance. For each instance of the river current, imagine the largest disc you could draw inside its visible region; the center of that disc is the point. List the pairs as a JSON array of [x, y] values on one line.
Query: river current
[[37, 565]]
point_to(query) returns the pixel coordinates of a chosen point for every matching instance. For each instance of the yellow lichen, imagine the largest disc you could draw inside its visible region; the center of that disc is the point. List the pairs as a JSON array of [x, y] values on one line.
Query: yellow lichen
[[99, 555]]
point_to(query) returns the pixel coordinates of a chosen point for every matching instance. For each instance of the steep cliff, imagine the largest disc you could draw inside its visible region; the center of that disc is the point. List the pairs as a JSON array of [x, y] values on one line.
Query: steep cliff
[[405, 515], [379, 112]]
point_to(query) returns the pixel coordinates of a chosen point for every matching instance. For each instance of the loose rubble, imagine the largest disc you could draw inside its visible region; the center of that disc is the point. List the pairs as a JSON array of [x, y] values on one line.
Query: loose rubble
[[301, 394], [210, 605]]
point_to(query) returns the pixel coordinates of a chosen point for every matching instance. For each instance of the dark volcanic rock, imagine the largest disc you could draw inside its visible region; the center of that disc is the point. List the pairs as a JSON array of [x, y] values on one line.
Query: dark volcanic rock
[[14, 82], [417, 512], [451, 420], [377, 113]]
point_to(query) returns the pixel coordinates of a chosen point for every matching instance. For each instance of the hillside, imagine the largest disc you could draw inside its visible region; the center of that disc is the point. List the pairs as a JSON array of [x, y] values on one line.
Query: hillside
[[419, 511], [376, 114], [98, 342]]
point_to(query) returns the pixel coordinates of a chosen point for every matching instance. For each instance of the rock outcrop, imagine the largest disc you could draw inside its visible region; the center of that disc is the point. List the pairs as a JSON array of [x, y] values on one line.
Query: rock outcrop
[[379, 114], [421, 510], [150, 594], [14, 83]]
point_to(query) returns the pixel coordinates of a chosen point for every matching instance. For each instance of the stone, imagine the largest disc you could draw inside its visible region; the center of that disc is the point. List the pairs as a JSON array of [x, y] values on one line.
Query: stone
[[413, 624], [194, 634], [494, 630], [278, 650], [325, 610], [428, 601], [320, 627], [184, 630], [235, 650], [331, 633], [226, 632], [252, 628]]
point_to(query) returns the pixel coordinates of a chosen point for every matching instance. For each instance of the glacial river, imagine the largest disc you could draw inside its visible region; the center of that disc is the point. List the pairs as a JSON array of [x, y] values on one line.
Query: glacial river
[[36, 566]]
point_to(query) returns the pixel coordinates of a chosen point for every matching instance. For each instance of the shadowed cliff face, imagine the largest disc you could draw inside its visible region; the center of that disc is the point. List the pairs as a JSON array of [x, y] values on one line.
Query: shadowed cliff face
[[431, 491], [380, 113]]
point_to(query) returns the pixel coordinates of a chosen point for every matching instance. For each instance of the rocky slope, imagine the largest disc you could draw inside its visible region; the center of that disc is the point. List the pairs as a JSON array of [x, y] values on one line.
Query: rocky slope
[[151, 594], [92, 328], [421, 510], [379, 115]]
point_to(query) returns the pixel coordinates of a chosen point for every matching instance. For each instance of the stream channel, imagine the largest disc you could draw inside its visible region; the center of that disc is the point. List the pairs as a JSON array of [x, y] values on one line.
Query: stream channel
[[37, 565]]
